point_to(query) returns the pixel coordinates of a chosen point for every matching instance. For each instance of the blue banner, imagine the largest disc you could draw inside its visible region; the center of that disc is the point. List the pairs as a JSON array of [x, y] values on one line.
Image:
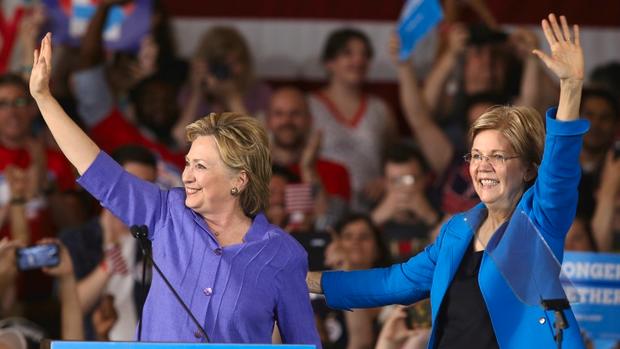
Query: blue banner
[[595, 299], [417, 18], [124, 29]]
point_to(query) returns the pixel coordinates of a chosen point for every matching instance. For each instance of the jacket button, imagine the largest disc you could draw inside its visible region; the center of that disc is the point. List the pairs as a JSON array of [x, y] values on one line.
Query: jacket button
[[207, 291], [198, 334], [542, 320], [218, 251]]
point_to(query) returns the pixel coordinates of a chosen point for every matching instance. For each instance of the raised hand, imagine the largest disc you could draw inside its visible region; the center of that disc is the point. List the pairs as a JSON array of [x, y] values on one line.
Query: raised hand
[[42, 69], [457, 39], [566, 59], [311, 153], [104, 317], [524, 42]]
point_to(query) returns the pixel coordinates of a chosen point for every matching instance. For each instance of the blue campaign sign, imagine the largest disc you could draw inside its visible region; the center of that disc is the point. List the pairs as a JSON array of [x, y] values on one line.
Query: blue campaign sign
[[125, 26], [417, 18], [595, 298]]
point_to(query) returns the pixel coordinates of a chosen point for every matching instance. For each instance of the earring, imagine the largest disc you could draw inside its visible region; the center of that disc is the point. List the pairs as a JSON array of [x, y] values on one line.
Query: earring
[[234, 191]]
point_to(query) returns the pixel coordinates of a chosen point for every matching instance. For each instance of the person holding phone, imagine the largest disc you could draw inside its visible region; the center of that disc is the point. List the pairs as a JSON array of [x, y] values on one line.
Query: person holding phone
[[515, 170], [210, 238], [222, 78], [52, 257]]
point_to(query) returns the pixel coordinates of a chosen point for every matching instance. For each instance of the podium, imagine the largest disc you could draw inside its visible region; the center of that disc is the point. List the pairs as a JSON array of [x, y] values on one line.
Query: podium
[[53, 344]]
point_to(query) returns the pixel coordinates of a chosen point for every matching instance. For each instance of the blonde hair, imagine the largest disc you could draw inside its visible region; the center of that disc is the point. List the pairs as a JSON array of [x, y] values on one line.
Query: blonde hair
[[243, 146], [523, 127]]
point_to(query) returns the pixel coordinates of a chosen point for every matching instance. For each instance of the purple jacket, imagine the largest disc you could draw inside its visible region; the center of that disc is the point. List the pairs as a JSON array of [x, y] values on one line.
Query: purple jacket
[[237, 291]]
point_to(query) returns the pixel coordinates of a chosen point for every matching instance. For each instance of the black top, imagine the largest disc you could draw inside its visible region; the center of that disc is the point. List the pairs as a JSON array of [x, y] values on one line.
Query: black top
[[463, 319]]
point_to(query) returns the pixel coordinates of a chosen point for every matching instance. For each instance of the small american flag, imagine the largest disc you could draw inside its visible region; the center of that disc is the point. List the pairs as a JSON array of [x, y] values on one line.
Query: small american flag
[[298, 198]]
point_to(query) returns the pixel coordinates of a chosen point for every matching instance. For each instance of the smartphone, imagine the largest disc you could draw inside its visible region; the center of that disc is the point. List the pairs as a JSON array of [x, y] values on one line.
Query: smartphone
[[419, 315], [38, 256]]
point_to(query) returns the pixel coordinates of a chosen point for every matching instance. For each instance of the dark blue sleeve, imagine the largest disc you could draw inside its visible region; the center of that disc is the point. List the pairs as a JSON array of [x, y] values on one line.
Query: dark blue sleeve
[[85, 247]]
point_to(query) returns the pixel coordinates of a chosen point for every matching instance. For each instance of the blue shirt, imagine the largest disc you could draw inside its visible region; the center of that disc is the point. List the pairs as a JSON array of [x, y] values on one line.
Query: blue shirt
[[237, 292], [549, 204]]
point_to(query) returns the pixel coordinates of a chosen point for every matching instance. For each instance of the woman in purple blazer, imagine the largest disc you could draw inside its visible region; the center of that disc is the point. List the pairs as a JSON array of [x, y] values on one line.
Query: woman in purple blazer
[[238, 274]]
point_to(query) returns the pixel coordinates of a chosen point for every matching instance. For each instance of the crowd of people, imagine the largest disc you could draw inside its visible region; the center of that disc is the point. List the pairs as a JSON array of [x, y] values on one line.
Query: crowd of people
[[351, 187]]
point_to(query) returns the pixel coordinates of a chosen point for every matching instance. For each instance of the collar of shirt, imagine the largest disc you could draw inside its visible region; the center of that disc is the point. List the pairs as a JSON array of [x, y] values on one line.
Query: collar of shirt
[[258, 230]]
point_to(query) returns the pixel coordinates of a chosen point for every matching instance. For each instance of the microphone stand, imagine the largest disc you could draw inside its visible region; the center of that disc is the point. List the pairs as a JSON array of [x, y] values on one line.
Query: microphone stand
[[560, 323], [140, 232]]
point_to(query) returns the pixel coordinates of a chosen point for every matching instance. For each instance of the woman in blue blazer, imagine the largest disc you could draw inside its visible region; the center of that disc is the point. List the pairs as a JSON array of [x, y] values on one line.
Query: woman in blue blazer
[[473, 299]]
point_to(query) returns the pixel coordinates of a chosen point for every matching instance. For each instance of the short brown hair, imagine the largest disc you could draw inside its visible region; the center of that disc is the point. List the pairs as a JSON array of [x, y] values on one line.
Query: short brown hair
[[523, 127], [243, 146], [337, 42]]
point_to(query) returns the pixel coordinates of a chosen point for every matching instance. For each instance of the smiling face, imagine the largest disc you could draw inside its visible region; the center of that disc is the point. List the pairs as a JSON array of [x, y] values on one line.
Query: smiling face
[[359, 244], [499, 186], [207, 180], [288, 118], [351, 63], [15, 118]]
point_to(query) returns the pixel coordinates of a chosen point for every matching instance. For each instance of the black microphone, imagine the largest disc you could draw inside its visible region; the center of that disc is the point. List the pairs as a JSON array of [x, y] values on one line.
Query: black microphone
[[141, 232]]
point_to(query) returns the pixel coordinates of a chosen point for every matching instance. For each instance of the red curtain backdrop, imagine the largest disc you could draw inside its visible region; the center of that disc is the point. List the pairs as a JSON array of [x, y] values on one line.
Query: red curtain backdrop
[[591, 13]]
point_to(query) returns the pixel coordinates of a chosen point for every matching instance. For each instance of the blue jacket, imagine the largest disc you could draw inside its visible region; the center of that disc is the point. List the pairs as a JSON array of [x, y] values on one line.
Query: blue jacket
[[549, 204]]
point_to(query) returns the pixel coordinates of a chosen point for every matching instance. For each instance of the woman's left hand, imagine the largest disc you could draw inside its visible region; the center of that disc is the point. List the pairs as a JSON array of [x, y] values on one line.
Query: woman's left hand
[[566, 59]]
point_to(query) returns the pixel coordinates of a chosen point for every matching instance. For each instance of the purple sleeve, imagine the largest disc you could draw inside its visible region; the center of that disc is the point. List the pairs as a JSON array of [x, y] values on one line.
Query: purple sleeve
[[294, 311], [132, 200]]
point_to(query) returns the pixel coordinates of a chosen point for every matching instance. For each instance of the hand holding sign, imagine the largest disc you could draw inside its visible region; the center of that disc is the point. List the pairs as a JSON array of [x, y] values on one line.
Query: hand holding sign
[[417, 18]]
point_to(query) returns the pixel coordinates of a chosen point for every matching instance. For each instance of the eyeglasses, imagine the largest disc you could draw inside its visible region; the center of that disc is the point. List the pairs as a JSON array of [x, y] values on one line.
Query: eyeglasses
[[18, 102], [494, 159]]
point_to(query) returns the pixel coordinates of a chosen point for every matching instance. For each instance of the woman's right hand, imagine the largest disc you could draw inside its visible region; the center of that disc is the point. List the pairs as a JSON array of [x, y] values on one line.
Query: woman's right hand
[[41, 69], [458, 35], [566, 59]]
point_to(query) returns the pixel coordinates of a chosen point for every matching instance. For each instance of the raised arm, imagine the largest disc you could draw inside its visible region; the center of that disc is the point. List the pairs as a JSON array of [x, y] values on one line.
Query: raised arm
[[71, 315], [91, 49], [447, 61], [74, 143], [566, 62], [433, 142], [555, 191]]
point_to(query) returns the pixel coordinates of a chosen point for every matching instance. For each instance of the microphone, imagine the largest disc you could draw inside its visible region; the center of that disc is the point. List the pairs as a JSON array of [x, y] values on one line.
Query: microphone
[[140, 233]]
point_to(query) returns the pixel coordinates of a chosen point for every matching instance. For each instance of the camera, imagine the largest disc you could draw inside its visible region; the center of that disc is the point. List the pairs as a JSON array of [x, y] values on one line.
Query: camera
[[39, 256], [219, 69]]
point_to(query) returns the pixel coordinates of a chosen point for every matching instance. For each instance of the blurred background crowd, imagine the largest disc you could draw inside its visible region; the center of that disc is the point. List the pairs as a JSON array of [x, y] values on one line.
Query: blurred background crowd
[[364, 173]]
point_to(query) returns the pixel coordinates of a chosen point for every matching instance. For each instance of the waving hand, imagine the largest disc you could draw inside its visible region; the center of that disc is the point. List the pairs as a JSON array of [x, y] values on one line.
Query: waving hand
[[566, 59]]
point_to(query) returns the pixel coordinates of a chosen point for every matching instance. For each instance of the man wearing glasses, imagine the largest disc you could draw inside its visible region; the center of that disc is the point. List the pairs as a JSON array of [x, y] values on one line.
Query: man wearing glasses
[[406, 213], [24, 156]]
